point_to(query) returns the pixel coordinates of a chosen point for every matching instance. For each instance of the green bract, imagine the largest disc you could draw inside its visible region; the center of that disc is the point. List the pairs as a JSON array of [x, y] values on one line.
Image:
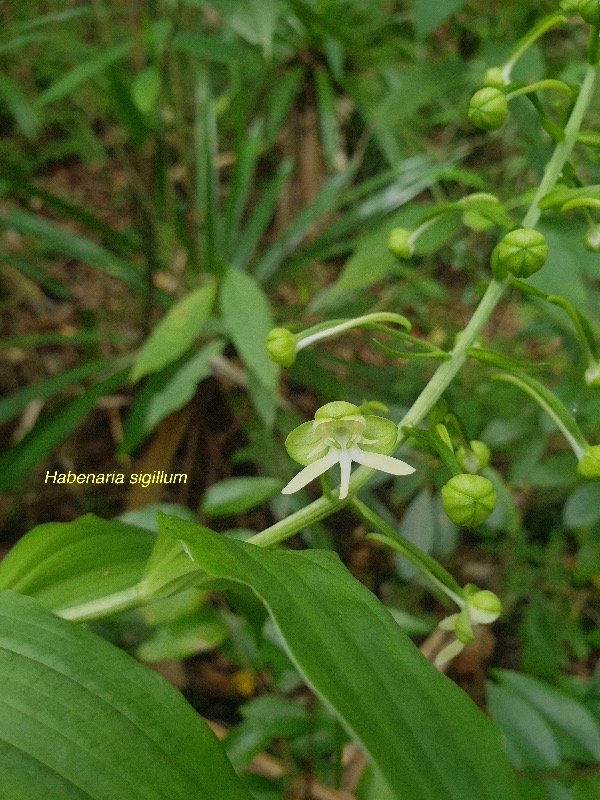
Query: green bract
[[468, 499], [399, 243], [281, 346], [589, 463], [521, 252], [488, 108]]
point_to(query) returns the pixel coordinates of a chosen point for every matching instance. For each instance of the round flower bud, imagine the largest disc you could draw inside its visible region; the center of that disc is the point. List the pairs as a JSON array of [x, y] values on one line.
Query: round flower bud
[[591, 238], [488, 109], [589, 463], [521, 252], [281, 346], [399, 243], [475, 458], [589, 10], [493, 77], [485, 606], [468, 499]]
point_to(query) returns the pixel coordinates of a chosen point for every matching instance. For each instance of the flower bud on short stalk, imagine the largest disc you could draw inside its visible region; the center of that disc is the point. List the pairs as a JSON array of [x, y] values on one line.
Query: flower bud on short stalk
[[281, 346], [400, 242], [475, 457], [468, 499], [480, 608], [589, 463], [488, 108], [521, 252]]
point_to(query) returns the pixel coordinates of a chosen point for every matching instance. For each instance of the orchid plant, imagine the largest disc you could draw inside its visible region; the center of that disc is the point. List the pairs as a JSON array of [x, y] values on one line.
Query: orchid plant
[[422, 735]]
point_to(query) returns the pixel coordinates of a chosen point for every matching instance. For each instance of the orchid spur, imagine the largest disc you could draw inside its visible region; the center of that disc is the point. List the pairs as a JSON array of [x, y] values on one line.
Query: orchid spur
[[341, 434]]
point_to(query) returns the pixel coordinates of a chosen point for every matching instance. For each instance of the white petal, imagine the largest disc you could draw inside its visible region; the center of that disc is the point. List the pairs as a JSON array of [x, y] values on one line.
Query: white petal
[[447, 624], [448, 652], [478, 616], [345, 459], [378, 461], [311, 472]]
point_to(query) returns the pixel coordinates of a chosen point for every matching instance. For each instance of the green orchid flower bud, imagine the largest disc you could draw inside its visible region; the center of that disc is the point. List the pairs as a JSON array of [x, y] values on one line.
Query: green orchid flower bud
[[488, 108], [589, 463], [400, 244], [591, 238], [468, 499], [589, 10], [484, 606], [281, 346], [474, 458], [493, 78], [521, 252]]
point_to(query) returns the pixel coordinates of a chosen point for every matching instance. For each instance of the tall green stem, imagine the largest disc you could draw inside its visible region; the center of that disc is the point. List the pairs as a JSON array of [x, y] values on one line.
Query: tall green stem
[[445, 373]]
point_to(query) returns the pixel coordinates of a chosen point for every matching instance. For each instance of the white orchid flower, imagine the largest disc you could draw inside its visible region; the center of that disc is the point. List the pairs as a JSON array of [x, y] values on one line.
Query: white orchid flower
[[340, 434]]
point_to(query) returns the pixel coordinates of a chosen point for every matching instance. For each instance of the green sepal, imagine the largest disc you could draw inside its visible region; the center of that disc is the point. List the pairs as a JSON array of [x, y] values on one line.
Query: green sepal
[[303, 441], [384, 431], [336, 410], [463, 628]]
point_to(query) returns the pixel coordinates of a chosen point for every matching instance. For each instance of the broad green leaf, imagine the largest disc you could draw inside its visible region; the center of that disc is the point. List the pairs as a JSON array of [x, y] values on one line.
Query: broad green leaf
[[562, 711], [81, 720], [145, 89], [236, 495], [69, 82], [424, 734], [248, 319], [427, 15], [176, 331], [63, 564], [529, 738], [164, 392], [48, 433], [10, 406], [583, 506], [60, 240], [255, 21]]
